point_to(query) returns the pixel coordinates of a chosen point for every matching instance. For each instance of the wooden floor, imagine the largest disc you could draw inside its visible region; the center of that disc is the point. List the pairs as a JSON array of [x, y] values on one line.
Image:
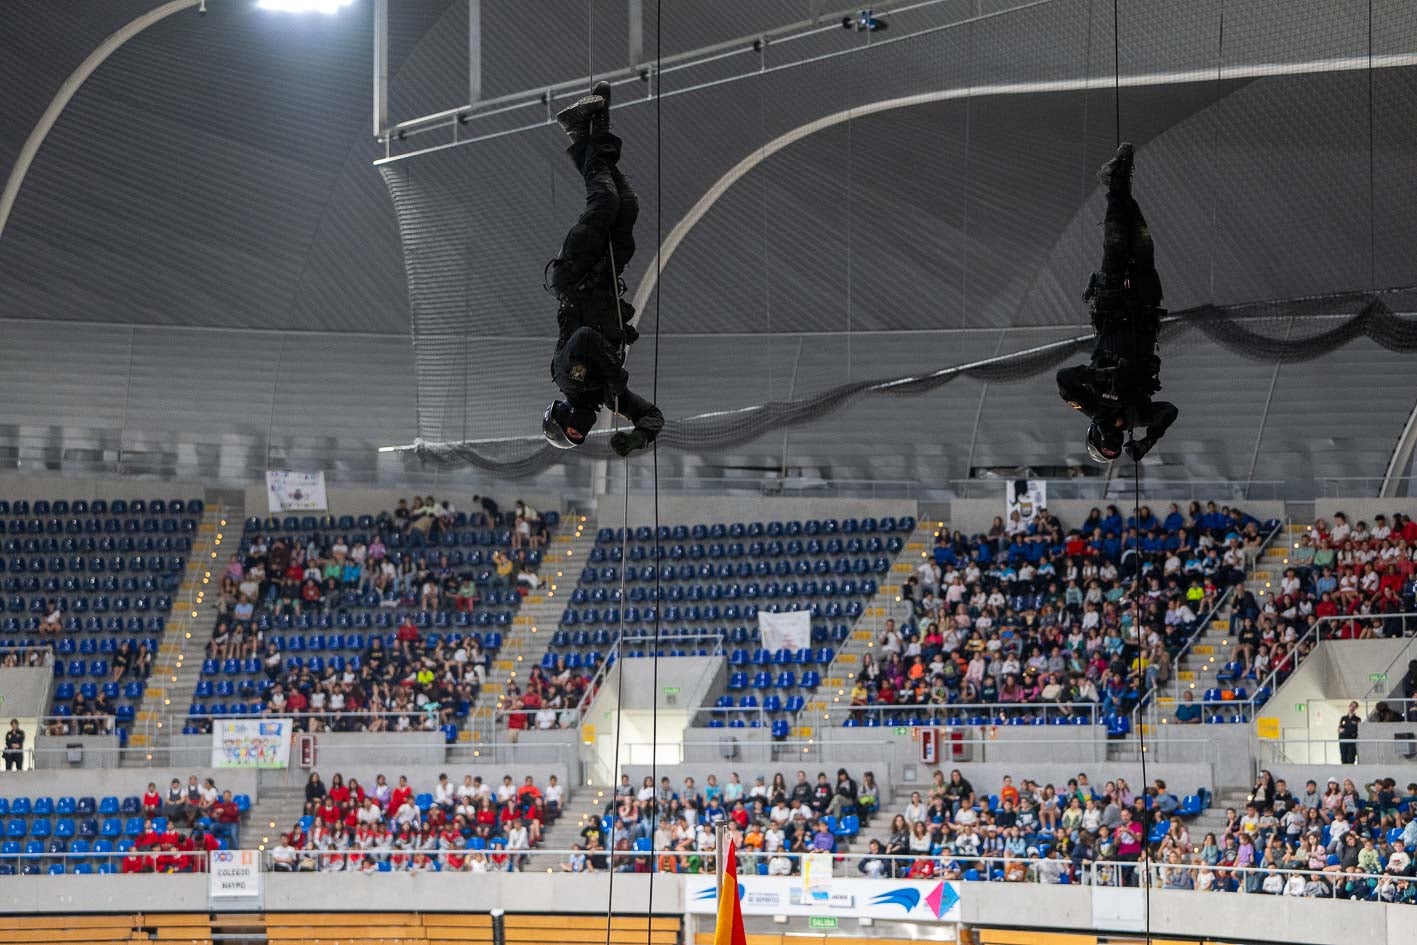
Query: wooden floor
[[350, 928]]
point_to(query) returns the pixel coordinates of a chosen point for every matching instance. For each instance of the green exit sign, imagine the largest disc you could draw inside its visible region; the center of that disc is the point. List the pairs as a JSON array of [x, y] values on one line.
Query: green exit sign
[[821, 922], [1377, 677], [900, 730], [671, 690], [1301, 707]]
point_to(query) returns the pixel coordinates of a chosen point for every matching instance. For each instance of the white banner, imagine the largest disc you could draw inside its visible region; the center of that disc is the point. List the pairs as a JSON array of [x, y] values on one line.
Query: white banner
[[787, 631], [1027, 497], [295, 491], [250, 743], [904, 900], [816, 874], [233, 874]]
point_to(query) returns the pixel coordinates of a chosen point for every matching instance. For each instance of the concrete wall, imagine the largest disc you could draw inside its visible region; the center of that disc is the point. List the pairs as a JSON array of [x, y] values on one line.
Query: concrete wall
[[420, 777], [122, 782], [99, 751], [645, 680], [1213, 757], [1362, 773], [748, 772], [1352, 661], [1363, 510], [558, 746], [389, 892], [336, 748], [1336, 673], [48, 487], [690, 510], [976, 515], [747, 745], [25, 692], [357, 500], [1226, 917]]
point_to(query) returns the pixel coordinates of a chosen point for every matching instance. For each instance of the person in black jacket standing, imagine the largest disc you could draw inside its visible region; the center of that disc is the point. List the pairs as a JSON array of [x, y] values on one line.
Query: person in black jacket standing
[[1348, 735], [593, 320], [15, 747]]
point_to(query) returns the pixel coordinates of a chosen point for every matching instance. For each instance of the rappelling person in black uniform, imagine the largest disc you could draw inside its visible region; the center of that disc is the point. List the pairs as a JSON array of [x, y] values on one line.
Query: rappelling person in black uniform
[[593, 319], [1115, 389]]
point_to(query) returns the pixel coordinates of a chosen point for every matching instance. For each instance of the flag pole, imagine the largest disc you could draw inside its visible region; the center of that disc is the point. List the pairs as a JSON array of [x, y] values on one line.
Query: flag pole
[[720, 846]]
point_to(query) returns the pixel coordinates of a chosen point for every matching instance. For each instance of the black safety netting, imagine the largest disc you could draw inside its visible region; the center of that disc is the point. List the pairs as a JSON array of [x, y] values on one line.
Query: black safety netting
[[839, 212], [1345, 317]]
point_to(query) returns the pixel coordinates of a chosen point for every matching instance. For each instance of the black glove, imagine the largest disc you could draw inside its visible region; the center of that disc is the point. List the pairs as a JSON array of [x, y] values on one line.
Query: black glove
[[626, 443], [1136, 449], [632, 334]]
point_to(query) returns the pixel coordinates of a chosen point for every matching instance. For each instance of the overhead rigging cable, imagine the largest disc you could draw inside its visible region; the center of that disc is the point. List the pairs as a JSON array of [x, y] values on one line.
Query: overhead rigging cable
[[620, 648], [656, 88], [618, 651], [1372, 195], [1144, 876]]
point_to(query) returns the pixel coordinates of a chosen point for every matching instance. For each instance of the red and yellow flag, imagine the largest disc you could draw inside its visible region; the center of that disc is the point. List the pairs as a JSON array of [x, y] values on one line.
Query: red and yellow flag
[[729, 929]]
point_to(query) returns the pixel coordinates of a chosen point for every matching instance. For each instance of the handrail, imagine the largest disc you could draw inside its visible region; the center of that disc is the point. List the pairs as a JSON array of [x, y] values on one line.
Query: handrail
[[1148, 703], [1146, 872], [1387, 670], [1316, 634], [46, 652], [597, 682], [994, 710]]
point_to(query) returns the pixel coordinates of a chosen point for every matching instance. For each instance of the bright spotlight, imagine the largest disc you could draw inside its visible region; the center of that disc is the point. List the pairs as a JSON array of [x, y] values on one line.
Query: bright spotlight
[[303, 6]]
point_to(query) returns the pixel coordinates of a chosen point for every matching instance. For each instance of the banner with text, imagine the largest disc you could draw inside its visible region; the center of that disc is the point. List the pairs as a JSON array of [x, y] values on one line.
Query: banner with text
[[250, 743], [904, 900], [295, 491], [233, 874], [786, 631]]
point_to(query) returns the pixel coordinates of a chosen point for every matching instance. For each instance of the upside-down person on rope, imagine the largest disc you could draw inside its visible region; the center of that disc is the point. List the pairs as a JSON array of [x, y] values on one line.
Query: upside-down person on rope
[[594, 321], [1124, 299]]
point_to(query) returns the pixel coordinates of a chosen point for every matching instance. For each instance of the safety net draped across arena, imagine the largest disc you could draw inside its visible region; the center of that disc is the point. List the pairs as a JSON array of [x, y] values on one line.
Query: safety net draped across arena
[[848, 215]]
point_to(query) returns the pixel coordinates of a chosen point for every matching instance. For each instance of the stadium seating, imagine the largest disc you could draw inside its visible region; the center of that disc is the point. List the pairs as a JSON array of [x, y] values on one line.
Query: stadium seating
[[337, 634], [702, 586], [109, 570], [35, 829]]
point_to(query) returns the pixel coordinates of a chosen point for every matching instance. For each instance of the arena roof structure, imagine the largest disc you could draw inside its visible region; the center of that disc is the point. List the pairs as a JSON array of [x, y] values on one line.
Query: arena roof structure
[[204, 272]]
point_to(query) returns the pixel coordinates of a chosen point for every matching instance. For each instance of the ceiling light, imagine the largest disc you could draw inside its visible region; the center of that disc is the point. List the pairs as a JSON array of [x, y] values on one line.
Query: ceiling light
[[303, 6]]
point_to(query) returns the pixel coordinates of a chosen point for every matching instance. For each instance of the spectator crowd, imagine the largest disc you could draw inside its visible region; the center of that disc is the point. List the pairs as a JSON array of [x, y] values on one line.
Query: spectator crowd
[[467, 826], [1338, 841], [1035, 613], [402, 677]]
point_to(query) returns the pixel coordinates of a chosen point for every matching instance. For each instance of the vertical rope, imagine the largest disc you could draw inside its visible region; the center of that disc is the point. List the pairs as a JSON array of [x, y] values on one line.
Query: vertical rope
[[1372, 196], [1215, 155], [1141, 664], [1145, 874], [654, 454], [850, 193], [620, 659], [1117, 70]]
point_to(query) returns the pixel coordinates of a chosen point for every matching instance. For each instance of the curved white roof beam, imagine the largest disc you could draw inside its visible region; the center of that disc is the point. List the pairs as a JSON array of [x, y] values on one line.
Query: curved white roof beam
[[1099, 82], [67, 91]]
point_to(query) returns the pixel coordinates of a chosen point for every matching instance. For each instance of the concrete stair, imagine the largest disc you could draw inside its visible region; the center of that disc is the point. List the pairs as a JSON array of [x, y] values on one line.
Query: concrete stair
[[530, 636], [178, 664], [582, 807], [1212, 819], [1199, 667], [274, 812], [835, 691]]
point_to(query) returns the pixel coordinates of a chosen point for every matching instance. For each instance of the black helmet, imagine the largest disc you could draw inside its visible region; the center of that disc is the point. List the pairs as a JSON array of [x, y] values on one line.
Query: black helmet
[[1104, 445], [565, 426]]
